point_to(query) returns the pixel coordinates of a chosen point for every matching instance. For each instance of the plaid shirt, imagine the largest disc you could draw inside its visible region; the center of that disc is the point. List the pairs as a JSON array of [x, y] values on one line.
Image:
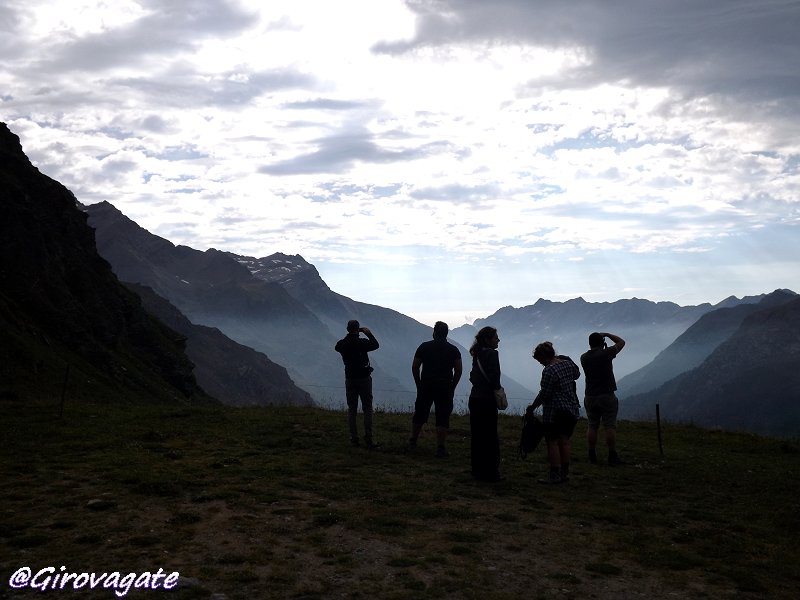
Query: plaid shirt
[[558, 389]]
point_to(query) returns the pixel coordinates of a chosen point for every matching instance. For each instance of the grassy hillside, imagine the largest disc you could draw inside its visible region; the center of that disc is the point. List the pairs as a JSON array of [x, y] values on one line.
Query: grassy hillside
[[274, 503]]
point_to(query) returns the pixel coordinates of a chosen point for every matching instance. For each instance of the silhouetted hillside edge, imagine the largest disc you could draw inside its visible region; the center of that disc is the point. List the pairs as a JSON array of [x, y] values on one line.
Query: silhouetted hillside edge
[[648, 327], [750, 382], [60, 303], [211, 288], [695, 344], [278, 305], [399, 334], [232, 373]]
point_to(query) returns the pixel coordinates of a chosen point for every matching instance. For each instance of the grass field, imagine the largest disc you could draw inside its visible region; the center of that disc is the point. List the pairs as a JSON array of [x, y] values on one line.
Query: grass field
[[275, 503]]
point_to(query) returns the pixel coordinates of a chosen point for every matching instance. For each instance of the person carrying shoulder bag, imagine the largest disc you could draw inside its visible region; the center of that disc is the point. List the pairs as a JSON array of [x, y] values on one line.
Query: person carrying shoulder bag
[[483, 410]]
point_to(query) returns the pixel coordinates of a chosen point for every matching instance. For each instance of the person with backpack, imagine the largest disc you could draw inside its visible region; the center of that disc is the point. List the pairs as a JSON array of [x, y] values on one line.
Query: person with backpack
[[560, 408], [600, 402], [358, 378]]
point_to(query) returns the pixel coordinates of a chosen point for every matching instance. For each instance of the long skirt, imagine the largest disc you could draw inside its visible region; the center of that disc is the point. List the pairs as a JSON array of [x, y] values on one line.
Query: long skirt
[[485, 443]]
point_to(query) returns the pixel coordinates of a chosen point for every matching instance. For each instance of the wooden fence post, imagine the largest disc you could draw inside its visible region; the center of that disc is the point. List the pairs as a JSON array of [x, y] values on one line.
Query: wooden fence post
[[658, 425], [63, 393]]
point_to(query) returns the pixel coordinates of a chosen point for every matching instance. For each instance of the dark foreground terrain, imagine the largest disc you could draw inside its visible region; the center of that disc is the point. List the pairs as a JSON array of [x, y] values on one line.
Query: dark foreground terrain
[[274, 503]]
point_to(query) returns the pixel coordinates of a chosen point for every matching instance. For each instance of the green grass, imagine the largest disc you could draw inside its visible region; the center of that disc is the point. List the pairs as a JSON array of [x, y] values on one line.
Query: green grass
[[275, 503]]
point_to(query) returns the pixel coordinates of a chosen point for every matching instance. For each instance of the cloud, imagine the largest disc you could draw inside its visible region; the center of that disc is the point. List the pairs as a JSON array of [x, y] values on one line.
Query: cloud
[[166, 28], [188, 88], [327, 104], [734, 48], [545, 135], [338, 153], [475, 195]]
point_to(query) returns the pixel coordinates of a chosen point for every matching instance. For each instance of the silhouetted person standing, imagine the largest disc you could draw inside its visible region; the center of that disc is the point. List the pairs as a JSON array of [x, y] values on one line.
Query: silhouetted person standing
[[560, 408], [600, 402], [485, 378], [358, 378], [436, 385]]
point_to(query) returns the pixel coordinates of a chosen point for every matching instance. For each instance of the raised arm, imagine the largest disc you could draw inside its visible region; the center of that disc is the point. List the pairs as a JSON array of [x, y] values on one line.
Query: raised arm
[[373, 343], [619, 343]]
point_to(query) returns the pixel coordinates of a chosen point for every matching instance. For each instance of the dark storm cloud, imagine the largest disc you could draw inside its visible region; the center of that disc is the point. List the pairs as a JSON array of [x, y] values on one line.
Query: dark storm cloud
[[10, 22], [740, 48], [184, 89], [338, 153], [168, 28]]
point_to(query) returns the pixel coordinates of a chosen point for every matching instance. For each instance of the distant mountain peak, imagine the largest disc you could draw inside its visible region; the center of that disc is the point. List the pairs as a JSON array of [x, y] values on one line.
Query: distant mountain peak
[[290, 271], [293, 258], [10, 144]]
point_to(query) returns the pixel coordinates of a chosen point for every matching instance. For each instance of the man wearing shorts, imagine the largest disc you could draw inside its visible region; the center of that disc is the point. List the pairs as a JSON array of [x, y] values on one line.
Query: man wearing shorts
[[440, 362], [600, 402]]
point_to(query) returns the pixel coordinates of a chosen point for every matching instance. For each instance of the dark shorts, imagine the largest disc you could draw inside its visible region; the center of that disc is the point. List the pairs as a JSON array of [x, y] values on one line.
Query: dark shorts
[[440, 395], [563, 424], [603, 407]]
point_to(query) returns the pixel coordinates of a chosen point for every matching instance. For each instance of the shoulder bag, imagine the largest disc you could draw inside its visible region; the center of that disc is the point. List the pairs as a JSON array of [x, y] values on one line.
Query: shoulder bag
[[499, 394]]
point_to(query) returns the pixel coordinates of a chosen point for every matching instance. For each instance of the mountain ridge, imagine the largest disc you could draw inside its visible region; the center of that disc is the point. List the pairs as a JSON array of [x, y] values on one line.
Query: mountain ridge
[[399, 334], [647, 326], [212, 288], [696, 343], [235, 374], [750, 382], [61, 306]]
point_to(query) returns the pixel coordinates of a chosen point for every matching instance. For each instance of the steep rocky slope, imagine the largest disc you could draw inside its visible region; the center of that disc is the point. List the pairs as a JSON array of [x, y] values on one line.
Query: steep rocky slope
[[61, 305]]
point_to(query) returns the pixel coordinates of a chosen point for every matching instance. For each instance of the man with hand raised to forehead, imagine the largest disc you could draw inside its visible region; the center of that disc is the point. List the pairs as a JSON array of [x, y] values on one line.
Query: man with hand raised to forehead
[[358, 378], [600, 402]]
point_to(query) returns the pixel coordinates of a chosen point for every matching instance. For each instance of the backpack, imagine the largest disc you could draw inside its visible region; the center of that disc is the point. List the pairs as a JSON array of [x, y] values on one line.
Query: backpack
[[532, 434]]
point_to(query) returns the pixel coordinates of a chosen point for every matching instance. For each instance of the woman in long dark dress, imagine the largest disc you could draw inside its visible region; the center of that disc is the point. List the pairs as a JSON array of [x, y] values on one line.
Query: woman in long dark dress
[[485, 379]]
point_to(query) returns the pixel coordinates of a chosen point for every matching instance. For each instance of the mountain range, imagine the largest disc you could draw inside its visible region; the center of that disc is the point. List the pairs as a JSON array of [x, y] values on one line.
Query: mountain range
[[278, 305], [695, 344], [647, 327], [198, 326], [749, 381], [229, 371]]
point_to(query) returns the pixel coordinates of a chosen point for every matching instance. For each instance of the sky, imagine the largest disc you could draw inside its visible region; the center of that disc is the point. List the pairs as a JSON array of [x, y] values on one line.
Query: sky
[[443, 158]]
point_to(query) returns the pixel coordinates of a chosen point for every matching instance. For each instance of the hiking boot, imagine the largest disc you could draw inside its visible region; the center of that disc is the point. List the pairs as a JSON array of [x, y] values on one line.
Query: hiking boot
[[497, 478], [593, 456], [614, 460], [441, 452], [553, 478], [370, 444], [354, 441]]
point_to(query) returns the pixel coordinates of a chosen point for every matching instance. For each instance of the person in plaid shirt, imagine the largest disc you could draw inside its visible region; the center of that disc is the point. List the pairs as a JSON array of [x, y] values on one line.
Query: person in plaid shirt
[[560, 407]]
